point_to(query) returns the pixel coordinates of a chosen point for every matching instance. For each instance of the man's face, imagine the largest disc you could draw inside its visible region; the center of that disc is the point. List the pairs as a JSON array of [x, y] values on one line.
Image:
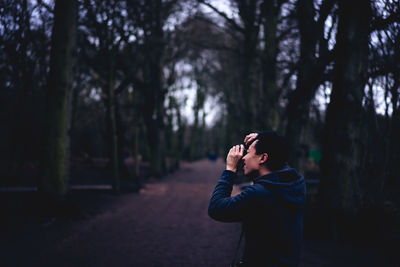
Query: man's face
[[251, 160]]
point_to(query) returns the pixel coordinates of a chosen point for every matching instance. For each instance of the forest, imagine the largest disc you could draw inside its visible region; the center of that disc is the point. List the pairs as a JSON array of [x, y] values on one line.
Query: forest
[[131, 89]]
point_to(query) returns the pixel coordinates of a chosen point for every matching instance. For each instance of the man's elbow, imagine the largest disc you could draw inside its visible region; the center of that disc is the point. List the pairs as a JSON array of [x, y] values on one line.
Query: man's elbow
[[218, 214], [211, 211]]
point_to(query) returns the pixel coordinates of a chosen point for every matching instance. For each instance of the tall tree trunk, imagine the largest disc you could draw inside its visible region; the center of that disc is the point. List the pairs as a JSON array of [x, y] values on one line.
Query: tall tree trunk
[[54, 179], [137, 126], [179, 137], [393, 142], [246, 100], [299, 100], [310, 71], [136, 157], [154, 119], [340, 191], [113, 125], [268, 111], [155, 94]]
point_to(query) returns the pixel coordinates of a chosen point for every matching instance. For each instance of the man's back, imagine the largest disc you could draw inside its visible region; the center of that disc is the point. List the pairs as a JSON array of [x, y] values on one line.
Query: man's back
[[271, 211], [273, 228]]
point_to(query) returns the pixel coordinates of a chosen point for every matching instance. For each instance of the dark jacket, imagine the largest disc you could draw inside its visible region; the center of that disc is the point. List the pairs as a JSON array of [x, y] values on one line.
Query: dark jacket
[[272, 214]]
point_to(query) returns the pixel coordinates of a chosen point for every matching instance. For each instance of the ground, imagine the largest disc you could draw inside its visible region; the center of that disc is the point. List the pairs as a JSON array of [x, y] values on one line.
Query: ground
[[165, 224]]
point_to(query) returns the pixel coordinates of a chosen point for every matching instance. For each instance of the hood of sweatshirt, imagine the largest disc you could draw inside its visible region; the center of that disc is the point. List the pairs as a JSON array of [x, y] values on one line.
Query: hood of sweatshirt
[[288, 187]]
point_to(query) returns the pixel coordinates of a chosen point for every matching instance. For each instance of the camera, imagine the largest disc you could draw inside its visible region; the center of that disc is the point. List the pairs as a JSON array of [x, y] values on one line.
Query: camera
[[241, 161]]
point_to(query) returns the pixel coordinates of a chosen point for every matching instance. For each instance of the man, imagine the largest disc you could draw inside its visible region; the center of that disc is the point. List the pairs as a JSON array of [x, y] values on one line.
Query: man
[[271, 209]]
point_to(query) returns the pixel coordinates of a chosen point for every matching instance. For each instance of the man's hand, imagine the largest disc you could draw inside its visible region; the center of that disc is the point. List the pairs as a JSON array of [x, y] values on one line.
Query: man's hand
[[249, 138], [234, 155]]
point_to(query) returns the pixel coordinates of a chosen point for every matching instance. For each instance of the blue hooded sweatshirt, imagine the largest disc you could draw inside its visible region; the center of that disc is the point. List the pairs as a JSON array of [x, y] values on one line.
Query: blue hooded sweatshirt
[[271, 211]]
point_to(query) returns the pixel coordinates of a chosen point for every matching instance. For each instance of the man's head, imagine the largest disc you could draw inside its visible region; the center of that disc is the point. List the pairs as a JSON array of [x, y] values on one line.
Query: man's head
[[267, 152]]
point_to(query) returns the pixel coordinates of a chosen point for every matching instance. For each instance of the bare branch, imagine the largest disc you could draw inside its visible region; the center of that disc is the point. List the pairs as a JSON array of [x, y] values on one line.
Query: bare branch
[[212, 23], [223, 15]]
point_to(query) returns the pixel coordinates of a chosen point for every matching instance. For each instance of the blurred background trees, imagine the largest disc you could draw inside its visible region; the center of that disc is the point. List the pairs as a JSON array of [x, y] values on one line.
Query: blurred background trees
[[156, 82]]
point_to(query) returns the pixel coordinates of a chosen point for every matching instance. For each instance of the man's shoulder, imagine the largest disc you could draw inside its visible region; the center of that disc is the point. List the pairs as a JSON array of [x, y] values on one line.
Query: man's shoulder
[[256, 190], [256, 195]]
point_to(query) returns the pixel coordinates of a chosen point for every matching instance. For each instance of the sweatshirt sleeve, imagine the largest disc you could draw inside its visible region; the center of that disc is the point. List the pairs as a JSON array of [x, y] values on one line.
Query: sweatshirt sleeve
[[222, 206]]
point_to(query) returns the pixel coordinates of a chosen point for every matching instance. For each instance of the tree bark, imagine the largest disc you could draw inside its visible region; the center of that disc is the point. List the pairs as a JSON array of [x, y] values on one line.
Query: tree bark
[[268, 115], [340, 163], [113, 125], [310, 72], [136, 157], [54, 179], [393, 142], [247, 97], [155, 93]]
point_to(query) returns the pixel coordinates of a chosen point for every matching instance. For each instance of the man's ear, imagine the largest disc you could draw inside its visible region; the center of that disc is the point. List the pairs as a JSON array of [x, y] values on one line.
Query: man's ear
[[264, 157]]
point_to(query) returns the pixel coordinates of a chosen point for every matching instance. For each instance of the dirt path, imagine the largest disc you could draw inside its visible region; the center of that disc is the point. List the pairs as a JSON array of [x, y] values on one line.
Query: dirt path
[[165, 225]]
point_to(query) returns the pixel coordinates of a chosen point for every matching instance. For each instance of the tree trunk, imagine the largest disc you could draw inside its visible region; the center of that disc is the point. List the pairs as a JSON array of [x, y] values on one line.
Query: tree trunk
[[180, 136], [299, 100], [340, 191], [113, 125], [136, 157], [246, 99], [310, 71], [393, 142], [54, 179], [268, 115], [155, 94]]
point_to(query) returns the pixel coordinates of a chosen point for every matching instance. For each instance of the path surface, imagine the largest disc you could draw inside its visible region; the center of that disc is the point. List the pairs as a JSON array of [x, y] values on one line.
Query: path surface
[[165, 225]]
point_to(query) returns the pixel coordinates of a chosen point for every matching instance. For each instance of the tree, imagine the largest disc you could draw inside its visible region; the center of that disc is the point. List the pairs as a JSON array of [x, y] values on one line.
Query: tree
[[267, 114], [340, 188], [381, 131], [106, 24], [251, 94], [24, 46], [56, 142], [311, 67], [151, 17]]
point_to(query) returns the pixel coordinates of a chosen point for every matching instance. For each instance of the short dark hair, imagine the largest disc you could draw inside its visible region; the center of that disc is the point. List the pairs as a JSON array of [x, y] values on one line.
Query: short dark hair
[[275, 146]]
